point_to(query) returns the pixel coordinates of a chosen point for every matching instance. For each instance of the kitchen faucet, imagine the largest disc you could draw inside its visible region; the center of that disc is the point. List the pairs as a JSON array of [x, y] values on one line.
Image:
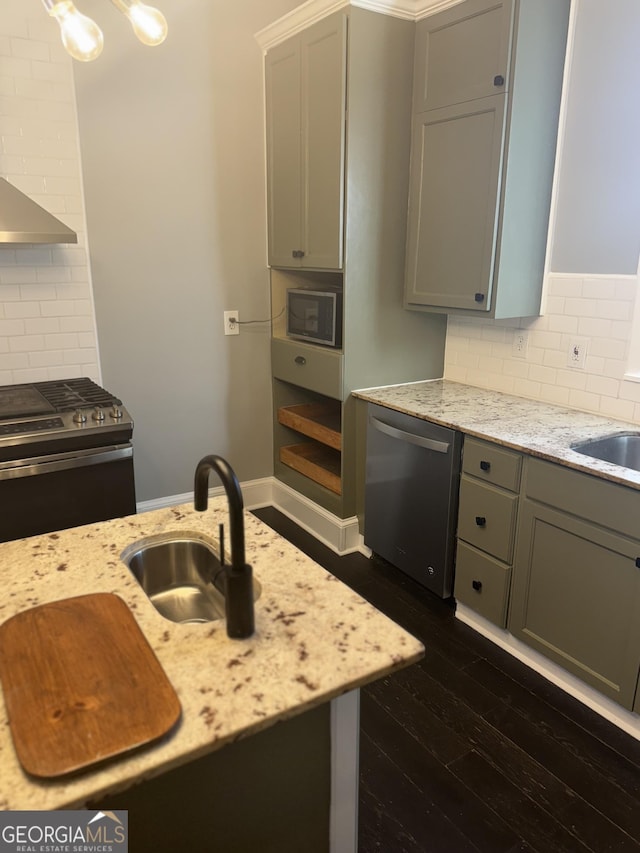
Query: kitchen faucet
[[238, 599]]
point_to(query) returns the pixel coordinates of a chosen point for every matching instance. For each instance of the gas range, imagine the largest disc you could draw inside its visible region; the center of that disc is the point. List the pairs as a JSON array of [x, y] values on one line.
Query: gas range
[[66, 457], [63, 413]]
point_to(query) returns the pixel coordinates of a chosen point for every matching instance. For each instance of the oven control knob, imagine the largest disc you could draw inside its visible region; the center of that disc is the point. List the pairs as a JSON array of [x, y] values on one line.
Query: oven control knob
[[116, 412], [79, 417], [98, 414]]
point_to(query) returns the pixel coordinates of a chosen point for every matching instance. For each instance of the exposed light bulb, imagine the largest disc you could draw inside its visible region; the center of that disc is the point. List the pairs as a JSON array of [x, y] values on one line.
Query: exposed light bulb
[[149, 24], [81, 36]]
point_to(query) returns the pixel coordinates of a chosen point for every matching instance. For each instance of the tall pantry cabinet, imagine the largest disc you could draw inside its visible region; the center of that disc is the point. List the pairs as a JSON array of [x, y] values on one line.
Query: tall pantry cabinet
[[338, 99]]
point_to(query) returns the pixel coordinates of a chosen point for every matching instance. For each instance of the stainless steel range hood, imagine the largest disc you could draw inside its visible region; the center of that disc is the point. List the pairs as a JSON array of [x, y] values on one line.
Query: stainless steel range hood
[[24, 221]]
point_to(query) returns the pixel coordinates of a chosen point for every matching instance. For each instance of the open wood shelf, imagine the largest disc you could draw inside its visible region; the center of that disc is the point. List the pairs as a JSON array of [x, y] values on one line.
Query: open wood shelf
[[316, 461], [320, 421]]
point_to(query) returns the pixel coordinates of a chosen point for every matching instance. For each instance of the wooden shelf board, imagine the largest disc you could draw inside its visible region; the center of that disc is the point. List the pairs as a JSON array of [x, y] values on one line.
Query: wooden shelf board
[[316, 461], [320, 421]]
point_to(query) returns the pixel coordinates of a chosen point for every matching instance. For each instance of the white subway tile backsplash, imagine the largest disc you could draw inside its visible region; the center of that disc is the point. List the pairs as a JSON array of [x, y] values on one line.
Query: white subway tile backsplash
[[26, 343], [42, 326], [615, 408], [66, 341], [58, 308], [46, 358], [603, 386], [47, 325], [598, 309], [11, 328], [22, 309], [585, 401]]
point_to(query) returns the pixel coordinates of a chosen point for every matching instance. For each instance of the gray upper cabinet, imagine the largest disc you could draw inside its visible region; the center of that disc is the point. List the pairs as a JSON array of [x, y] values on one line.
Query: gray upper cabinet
[[306, 103], [462, 54], [457, 152], [487, 86]]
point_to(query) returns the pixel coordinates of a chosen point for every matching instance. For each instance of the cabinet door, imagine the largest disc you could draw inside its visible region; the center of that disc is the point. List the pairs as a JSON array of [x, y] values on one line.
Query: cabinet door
[[284, 154], [456, 161], [462, 54], [576, 598], [323, 67]]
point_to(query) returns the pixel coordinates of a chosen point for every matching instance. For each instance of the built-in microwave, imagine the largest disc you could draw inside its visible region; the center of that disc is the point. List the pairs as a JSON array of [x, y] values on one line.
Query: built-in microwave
[[315, 316]]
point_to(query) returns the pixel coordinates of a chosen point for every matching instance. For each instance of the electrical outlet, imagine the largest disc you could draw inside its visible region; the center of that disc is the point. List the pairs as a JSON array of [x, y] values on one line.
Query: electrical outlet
[[577, 354], [231, 323], [520, 343]]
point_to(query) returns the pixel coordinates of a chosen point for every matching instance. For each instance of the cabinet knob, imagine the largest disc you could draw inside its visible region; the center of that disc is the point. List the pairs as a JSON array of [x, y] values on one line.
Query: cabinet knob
[[637, 562], [481, 520], [486, 466], [479, 297], [300, 359], [477, 585], [498, 80]]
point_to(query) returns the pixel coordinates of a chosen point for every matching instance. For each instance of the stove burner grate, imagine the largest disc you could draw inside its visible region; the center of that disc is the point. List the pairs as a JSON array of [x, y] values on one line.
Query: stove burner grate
[[69, 394]]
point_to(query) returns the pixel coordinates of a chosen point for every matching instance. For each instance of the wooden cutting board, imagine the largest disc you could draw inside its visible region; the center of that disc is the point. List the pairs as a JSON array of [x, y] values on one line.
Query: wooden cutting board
[[81, 684]]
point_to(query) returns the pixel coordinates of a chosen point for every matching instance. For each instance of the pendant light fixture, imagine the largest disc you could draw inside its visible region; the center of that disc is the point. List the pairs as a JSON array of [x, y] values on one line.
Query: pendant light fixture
[[148, 24], [83, 38]]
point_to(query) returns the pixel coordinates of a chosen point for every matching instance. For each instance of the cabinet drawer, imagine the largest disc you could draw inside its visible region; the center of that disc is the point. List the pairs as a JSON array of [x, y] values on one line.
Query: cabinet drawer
[[308, 366], [486, 518], [482, 583], [492, 464]]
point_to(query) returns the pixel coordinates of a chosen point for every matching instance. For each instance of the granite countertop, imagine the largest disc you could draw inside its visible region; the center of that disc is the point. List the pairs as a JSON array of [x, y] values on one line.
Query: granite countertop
[[539, 429], [315, 639]]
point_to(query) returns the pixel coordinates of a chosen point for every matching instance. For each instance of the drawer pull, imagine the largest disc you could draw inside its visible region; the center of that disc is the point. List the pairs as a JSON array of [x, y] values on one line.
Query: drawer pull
[[486, 466], [477, 585], [300, 359], [297, 253], [481, 521]]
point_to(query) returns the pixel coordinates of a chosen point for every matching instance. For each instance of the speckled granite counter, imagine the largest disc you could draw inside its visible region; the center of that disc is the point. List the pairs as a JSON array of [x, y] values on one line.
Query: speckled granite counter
[[539, 429], [315, 640]]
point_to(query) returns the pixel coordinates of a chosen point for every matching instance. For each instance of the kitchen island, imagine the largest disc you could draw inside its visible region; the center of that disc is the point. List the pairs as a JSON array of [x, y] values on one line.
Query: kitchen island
[[315, 641]]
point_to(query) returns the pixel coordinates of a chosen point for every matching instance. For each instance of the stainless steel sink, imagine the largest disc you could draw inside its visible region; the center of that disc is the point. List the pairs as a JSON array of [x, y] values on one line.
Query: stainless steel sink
[[622, 448], [181, 575]]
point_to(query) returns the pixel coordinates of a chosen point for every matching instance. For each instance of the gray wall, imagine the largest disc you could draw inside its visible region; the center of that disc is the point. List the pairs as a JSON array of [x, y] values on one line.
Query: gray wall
[[173, 166], [597, 227]]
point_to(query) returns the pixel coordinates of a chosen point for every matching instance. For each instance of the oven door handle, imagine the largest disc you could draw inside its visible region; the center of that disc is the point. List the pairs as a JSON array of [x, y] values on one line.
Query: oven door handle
[[64, 461]]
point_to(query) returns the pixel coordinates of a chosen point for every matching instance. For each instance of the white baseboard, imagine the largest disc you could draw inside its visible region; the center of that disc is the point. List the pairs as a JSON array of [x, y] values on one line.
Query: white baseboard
[[339, 534], [616, 714]]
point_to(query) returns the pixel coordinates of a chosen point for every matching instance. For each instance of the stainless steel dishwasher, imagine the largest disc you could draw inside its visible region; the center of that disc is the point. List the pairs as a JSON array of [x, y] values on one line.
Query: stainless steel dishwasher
[[411, 495]]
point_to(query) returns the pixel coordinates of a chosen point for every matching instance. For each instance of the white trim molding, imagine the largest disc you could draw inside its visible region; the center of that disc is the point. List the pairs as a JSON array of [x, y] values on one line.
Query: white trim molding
[[340, 534], [616, 714], [314, 10]]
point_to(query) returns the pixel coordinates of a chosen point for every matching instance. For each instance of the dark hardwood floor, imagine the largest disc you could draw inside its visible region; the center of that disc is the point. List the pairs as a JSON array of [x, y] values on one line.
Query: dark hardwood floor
[[469, 750]]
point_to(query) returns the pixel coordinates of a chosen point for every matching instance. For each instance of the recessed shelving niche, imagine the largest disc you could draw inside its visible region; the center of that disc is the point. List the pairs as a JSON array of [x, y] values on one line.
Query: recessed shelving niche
[[320, 458]]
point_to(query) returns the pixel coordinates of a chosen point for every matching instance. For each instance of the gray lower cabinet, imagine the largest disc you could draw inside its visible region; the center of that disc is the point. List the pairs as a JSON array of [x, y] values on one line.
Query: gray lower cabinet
[[487, 85], [575, 594], [487, 517]]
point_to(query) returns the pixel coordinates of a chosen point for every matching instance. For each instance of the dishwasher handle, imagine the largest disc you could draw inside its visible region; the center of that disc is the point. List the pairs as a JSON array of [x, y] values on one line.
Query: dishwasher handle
[[401, 435]]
